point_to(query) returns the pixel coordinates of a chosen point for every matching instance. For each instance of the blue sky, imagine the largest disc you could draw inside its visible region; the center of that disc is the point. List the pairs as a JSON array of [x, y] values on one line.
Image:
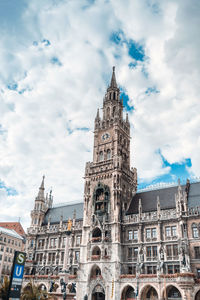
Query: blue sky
[[56, 62]]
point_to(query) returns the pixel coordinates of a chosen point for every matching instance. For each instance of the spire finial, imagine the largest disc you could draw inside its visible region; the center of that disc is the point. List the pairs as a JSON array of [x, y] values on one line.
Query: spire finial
[[41, 190], [113, 83], [42, 184]]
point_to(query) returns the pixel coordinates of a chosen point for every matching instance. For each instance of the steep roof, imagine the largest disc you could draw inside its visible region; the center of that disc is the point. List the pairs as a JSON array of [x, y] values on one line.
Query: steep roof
[[11, 233], [166, 196], [66, 211], [14, 225], [194, 195], [148, 199]]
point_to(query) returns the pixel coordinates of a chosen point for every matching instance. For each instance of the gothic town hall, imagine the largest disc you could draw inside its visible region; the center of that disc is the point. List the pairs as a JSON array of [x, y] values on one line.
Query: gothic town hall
[[119, 243]]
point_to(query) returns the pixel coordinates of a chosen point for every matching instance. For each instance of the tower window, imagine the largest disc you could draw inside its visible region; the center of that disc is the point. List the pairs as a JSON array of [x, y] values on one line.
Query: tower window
[[108, 113], [101, 156], [108, 154]]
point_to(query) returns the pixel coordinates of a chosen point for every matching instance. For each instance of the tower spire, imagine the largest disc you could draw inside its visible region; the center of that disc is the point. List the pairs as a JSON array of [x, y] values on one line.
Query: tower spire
[[41, 190], [113, 83]]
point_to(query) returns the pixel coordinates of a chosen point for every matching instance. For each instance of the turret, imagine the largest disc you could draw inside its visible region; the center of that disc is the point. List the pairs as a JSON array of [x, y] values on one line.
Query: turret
[[40, 207]]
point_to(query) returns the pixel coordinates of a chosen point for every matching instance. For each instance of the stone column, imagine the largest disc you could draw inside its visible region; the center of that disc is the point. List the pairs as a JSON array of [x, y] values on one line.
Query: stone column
[[66, 255]]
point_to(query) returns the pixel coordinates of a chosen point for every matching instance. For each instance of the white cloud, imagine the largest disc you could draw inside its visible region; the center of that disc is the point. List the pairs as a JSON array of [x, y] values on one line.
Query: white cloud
[[41, 126]]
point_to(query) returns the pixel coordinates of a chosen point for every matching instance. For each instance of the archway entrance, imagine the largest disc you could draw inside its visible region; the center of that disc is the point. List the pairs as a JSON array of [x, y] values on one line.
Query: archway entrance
[[173, 293], [197, 297], [149, 293], [98, 293], [128, 293]]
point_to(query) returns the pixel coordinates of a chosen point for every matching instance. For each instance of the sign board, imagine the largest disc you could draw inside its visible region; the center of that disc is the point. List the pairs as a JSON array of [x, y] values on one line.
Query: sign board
[[16, 275]]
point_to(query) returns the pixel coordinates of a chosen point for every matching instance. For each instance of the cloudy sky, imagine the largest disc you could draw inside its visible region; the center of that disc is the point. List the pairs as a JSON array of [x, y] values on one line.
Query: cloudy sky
[[56, 59]]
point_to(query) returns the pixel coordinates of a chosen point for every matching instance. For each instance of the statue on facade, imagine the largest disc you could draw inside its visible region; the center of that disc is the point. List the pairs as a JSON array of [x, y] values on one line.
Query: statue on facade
[[184, 258], [140, 261], [160, 264], [69, 225]]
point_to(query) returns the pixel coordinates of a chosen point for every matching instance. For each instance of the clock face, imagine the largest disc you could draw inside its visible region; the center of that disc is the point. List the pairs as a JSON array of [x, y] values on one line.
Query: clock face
[[105, 136]]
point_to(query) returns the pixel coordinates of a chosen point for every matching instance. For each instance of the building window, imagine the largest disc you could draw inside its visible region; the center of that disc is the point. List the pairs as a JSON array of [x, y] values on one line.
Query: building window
[[170, 269], [151, 269], [130, 235], [148, 233], [135, 235], [175, 250], [169, 250], [153, 233], [176, 269], [135, 252], [31, 243], [41, 244], [63, 242], [62, 257], [0, 256], [130, 252], [195, 231], [148, 251], [7, 249], [174, 233], [154, 251], [168, 231], [8, 241], [53, 243], [78, 240], [197, 252], [2, 248], [76, 256]]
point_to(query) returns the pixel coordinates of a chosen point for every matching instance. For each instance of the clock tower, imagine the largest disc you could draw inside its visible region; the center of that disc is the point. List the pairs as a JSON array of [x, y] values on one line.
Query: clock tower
[[109, 186]]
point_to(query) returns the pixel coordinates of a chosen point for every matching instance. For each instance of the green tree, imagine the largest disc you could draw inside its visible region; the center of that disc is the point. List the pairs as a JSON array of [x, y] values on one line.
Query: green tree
[[4, 288], [33, 292]]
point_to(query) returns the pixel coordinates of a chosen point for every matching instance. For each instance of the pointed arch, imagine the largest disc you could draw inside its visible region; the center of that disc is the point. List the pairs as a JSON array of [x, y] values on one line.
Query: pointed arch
[[128, 292], [149, 292], [172, 292]]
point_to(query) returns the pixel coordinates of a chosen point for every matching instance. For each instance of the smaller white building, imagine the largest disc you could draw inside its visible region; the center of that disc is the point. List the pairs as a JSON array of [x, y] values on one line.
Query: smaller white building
[[10, 241]]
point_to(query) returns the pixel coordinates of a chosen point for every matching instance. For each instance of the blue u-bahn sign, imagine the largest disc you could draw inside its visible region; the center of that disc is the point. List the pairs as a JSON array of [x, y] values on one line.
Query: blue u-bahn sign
[[16, 275]]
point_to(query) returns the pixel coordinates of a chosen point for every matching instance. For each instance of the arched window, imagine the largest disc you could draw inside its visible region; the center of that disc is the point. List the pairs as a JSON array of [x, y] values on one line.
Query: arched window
[[101, 156], [96, 251], [108, 113], [108, 154], [96, 271], [173, 293], [195, 231], [96, 233]]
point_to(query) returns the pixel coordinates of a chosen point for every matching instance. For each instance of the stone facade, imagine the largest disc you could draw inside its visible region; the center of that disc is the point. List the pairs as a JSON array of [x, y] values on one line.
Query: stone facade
[[120, 243]]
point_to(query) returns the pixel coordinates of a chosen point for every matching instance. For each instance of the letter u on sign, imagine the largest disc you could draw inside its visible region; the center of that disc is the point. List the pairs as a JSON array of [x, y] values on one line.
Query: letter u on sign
[[18, 272]]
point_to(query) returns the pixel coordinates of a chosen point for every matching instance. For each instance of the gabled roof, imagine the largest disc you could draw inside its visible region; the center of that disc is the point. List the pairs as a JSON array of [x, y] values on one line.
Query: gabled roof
[[11, 233], [66, 211], [15, 226]]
